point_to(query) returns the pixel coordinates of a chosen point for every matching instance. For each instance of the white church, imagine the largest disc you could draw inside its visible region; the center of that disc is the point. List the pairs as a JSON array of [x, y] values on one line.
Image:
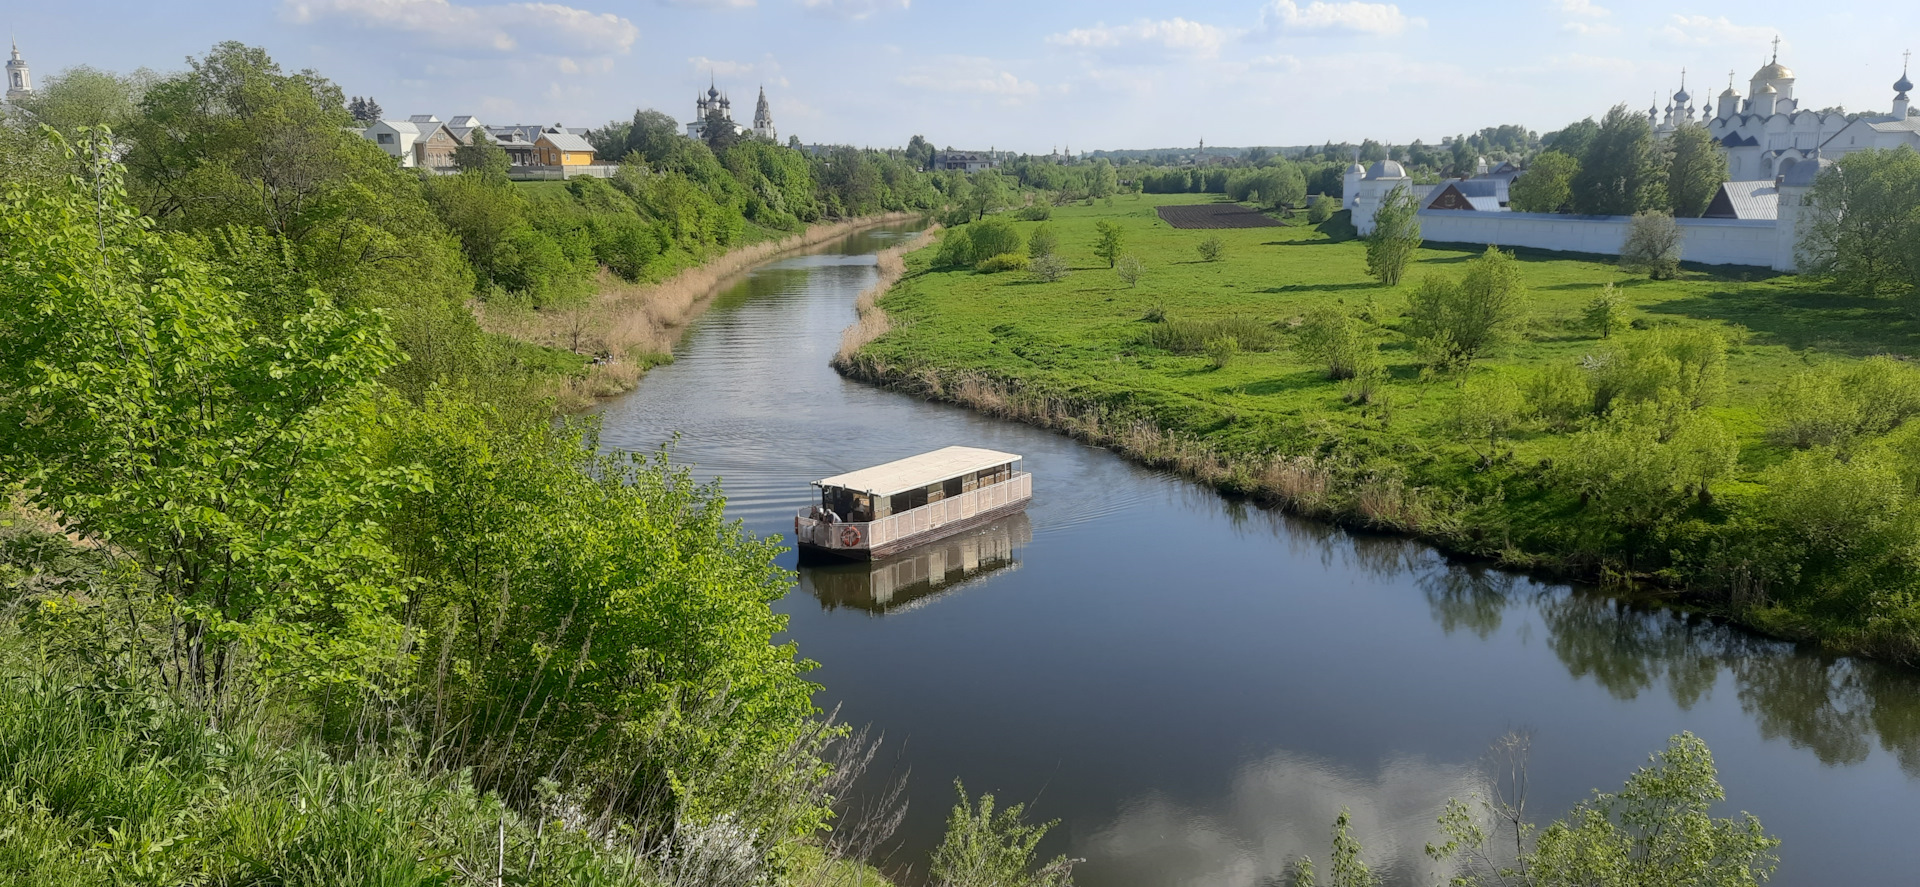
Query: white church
[[1775, 149], [714, 100]]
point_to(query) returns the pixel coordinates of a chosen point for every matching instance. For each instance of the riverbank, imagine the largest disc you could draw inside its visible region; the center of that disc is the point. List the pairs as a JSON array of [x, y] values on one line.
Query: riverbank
[[633, 327], [1078, 356]]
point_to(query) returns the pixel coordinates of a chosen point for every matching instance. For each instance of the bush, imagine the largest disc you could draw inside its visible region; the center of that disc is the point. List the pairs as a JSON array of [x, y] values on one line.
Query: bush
[[1652, 246], [1606, 313], [1002, 262], [1211, 248], [1220, 351], [1042, 242], [1559, 396], [1038, 212], [956, 250], [992, 237], [1130, 269], [1395, 237], [1321, 208], [1339, 342], [1474, 313], [1192, 336], [1049, 268], [1833, 405], [1683, 367]]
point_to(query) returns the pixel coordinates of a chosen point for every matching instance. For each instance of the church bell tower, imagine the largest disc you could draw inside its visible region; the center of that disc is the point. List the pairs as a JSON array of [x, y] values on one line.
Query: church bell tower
[[19, 79]]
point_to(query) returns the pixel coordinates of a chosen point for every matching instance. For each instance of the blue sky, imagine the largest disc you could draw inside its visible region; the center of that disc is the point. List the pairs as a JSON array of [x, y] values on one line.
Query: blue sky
[[1025, 76]]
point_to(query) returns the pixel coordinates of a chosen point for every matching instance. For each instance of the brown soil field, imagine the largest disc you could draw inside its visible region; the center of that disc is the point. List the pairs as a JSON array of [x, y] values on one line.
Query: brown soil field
[[1217, 215]]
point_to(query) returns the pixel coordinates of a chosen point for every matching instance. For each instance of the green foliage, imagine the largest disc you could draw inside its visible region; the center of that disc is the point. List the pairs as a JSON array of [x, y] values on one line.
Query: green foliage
[[1042, 242], [993, 237], [1684, 367], [956, 249], [1321, 209], [1112, 239], [1339, 341], [1002, 262], [1038, 212], [1211, 248], [1130, 269], [84, 97], [1486, 409], [1864, 232], [1192, 336], [1395, 236], [1621, 171], [985, 847], [1472, 314], [1834, 405], [480, 155], [1049, 268], [226, 457], [1547, 184], [1657, 831], [1606, 314], [1559, 396], [1652, 246], [1695, 168], [1221, 351]]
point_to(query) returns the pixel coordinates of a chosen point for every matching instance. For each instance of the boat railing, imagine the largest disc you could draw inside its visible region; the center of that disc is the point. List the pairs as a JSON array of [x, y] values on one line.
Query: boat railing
[[868, 535]]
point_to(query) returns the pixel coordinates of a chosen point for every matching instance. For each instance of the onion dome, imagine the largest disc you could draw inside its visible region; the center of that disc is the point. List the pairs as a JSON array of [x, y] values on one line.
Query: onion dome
[[1766, 89], [1774, 71], [1356, 169], [1903, 84], [1682, 97], [1730, 93]]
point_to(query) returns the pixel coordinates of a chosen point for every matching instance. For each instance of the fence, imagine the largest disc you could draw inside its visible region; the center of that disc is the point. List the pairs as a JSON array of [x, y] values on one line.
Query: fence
[[926, 518]]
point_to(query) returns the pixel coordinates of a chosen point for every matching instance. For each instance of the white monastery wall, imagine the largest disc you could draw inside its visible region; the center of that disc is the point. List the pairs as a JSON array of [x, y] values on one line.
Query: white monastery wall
[[1707, 241]]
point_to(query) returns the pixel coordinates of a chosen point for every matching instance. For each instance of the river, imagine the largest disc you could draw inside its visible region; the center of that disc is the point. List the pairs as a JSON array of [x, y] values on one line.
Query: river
[[1195, 687]]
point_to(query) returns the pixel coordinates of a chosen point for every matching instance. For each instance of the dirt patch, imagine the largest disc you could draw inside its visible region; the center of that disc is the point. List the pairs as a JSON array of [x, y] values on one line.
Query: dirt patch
[[1217, 215]]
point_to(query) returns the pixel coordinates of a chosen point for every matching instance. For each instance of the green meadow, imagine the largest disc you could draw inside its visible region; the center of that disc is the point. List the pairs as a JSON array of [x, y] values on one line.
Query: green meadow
[[1090, 355]]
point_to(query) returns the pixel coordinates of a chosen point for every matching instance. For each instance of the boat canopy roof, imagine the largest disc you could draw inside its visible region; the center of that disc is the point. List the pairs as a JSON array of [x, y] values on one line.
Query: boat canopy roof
[[918, 471]]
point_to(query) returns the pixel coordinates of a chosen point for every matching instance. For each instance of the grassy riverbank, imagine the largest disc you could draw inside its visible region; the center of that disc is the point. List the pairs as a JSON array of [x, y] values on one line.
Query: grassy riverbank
[[636, 325], [1810, 543]]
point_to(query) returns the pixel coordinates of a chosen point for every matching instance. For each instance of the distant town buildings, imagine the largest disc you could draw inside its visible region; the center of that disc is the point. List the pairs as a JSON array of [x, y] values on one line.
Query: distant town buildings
[[967, 161], [423, 141], [713, 101]]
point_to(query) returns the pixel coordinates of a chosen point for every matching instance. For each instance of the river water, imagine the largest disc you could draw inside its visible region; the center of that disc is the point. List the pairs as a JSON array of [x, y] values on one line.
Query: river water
[[1195, 687]]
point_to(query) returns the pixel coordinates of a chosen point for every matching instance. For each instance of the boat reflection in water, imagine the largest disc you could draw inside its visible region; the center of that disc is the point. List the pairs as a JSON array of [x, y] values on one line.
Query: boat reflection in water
[[905, 581]]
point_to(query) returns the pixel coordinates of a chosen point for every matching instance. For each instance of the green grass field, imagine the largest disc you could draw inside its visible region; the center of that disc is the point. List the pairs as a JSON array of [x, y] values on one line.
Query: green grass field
[[1081, 344]]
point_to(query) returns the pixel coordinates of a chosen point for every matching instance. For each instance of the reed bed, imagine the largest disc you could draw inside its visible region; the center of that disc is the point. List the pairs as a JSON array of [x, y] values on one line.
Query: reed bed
[[872, 321], [633, 327]]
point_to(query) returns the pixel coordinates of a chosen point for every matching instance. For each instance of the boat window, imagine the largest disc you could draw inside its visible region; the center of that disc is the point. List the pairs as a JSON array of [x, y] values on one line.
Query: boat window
[[936, 492], [952, 487]]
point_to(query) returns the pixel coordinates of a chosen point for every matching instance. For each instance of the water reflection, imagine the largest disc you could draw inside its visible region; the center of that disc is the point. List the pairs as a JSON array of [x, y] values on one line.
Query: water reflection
[[910, 579], [1280, 808]]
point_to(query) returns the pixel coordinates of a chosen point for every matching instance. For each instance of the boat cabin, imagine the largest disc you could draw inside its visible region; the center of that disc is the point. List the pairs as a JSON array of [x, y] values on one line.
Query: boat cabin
[[887, 508]]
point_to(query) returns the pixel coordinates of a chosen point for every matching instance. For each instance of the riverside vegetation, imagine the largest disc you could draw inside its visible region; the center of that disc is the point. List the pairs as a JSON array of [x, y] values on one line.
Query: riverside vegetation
[[301, 583], [1738, 436]]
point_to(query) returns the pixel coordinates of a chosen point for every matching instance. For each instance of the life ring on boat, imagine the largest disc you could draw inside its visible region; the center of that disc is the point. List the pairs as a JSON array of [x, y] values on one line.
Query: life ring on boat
[[849, 536]]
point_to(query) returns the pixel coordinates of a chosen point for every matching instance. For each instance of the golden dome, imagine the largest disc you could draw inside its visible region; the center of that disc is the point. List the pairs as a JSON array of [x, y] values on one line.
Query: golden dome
[[1774, 71]]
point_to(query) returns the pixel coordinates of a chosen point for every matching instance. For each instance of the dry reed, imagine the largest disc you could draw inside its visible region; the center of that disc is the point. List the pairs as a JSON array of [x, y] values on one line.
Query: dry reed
[[872, 321], [634, 326]]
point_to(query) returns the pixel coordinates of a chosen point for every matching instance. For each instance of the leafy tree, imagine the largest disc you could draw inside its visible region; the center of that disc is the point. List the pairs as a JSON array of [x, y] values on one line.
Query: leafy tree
[[84, 97], [1321, 208], [1606, 312], [1703, 454], [1278, 185], [1621, 171], [1865, 224], [481, 156], [1472, 314], [985, 847], [1102, 179], [1042, 242], [1395, 236], [1130, 269], [989, 192], [365, 110], [1695, 169], [1657, 831], [224, 457], [718, 132], [1653, 245], [1048, 268], [1574, 140], [1112, 240], [993, 237], [1547, 184], [652, 135]]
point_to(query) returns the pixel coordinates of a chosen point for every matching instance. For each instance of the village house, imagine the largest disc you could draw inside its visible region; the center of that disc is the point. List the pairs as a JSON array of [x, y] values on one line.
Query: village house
[[563, 149]]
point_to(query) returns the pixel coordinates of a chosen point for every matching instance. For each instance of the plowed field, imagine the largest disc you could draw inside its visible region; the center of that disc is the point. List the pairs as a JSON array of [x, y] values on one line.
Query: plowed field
[[1217, 215]]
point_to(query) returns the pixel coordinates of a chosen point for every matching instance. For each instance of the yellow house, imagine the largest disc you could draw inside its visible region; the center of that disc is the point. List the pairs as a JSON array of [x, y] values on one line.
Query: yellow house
[[562, 149]]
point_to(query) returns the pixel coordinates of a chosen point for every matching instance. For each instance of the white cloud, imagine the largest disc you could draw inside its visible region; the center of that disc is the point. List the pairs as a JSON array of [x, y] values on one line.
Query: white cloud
[[715, 4], [547, 28], [1582, 9], [853, 9], [1174, 36], [965, 75], [1350, 16], [1590, 29], [1711, 30], [764, 72]]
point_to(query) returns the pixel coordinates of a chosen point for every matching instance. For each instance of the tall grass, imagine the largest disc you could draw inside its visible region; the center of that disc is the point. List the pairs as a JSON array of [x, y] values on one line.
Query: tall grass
[[636, 325], [1188, 336]]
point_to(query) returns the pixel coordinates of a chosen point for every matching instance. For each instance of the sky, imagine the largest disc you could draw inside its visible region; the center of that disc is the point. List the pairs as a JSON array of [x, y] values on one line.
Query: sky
[[1021, 76]]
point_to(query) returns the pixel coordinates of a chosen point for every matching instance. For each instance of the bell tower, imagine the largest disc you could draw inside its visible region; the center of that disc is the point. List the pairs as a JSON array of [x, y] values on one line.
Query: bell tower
[[19, 79]]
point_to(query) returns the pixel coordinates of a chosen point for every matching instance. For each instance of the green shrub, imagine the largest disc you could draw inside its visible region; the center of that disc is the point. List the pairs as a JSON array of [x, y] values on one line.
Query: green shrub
[[1832, 405], [1475, 313], [956, 249], [1049, 268], [1606, 313], [1042, 242], [1321, 209], [1559, 396], [1002, 262], [992, 237], [1038, 212], [1192, 336], [1338, 341], [1211, 248], [1220, 351]]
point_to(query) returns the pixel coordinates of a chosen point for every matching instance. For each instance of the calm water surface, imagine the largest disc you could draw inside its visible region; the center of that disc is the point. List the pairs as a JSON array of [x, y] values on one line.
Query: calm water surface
[[1195, 687]]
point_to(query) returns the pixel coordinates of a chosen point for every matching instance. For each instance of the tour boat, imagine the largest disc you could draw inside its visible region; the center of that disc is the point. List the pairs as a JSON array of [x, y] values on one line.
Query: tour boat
[[886, 509]]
